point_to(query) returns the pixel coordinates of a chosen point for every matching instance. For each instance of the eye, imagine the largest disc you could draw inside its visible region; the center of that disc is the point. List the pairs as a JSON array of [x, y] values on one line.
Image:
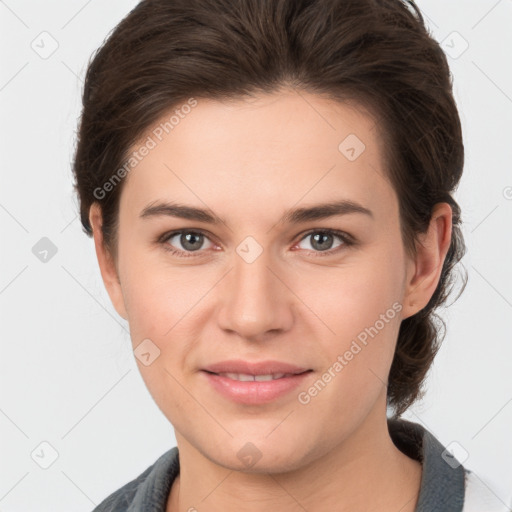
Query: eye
[[322, 241], [191, 241]]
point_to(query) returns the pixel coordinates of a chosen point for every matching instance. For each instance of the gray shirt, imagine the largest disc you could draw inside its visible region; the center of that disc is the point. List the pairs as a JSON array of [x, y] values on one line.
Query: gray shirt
[[442, 483]]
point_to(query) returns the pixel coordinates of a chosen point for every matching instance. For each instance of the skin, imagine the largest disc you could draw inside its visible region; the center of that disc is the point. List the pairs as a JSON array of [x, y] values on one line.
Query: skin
[[248, 161]]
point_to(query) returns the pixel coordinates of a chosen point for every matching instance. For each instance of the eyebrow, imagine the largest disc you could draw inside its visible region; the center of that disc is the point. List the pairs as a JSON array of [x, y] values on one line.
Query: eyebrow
[[292, 216]]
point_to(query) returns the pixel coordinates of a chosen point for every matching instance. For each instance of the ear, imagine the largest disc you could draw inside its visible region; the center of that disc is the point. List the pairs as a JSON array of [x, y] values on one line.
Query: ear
[[106, 262], [425, 271]]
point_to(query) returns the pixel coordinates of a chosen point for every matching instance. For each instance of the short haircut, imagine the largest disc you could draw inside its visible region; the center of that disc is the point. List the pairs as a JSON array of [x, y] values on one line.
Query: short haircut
[[376, 53]]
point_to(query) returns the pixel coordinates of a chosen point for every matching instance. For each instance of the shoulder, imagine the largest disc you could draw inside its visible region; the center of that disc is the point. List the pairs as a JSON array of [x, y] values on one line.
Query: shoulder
[[481, 496], [120, 499], [151, 486]]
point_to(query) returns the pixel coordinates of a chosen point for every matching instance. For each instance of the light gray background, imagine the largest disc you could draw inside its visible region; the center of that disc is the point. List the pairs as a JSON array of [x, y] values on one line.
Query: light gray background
[[68, 376]]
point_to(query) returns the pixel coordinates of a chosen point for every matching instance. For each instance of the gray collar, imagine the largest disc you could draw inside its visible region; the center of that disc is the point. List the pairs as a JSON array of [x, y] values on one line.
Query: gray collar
[[443, 478]]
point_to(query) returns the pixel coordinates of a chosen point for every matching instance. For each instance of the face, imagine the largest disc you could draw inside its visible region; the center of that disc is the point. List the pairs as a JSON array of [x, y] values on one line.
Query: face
[[325, 293]]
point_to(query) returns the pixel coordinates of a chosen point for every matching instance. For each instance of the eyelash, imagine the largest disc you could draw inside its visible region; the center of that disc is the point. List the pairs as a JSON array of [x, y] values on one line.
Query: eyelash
[[348, 241]]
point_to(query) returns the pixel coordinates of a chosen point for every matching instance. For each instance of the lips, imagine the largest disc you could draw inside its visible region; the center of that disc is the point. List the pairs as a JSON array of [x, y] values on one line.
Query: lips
[[247, 377], [262, 368], [254, 383]]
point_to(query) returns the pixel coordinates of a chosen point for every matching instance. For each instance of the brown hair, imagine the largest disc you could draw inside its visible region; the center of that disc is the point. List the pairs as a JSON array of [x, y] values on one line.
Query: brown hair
[[378, 53]]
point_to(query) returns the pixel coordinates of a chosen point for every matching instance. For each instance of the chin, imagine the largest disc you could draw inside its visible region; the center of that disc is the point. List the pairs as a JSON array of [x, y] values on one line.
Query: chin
[[257, 457]]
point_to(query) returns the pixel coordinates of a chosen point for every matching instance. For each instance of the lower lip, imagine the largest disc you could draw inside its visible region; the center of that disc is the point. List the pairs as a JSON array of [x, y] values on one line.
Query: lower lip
[[254, 392]]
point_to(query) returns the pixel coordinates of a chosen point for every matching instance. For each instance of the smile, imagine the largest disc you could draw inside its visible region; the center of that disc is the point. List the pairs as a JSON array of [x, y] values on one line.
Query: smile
[[245, 377]]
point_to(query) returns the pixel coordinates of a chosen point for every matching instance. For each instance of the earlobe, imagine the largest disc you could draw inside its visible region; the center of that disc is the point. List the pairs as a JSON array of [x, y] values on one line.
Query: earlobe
[[106, 263], [432, 249]]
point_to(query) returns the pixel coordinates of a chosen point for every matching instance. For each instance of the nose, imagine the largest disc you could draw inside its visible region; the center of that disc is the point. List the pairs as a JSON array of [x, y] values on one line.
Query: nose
[[255, 299]]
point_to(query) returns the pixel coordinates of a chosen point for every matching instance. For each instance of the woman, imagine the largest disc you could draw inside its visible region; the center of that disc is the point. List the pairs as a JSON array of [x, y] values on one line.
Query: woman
[[269, 187]]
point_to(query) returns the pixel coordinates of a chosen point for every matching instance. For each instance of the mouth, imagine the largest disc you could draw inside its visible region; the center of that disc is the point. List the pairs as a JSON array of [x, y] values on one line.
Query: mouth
[[247, 377]]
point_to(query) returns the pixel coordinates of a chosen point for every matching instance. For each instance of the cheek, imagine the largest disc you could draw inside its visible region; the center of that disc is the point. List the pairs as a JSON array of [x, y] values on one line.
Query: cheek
[[359, 308], [353, 297], [157, 298], [164, 306], [161, 310]]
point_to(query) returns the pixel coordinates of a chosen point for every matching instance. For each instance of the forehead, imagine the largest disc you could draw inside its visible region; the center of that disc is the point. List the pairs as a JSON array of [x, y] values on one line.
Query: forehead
[[268, 150]]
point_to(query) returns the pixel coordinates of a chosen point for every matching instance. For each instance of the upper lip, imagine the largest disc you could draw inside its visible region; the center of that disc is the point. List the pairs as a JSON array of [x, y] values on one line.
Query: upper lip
[[254, 368]]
